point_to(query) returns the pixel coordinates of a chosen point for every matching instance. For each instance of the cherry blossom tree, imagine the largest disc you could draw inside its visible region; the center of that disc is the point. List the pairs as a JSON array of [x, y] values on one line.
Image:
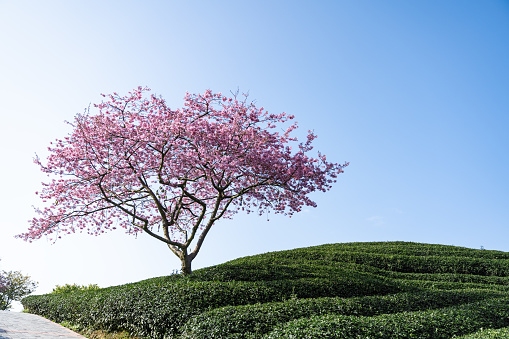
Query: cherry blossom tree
[[141, 166]]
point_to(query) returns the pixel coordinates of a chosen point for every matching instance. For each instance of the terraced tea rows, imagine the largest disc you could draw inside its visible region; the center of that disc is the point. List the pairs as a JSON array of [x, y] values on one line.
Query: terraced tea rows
[[375, 290]]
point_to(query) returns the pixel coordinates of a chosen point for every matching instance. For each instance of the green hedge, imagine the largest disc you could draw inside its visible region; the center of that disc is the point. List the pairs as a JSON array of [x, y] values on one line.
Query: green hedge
[[389, 259], [500, 333], [410, 248], [256, 320], [265, 269], [450, 277], [161, 306], [157, 309], [409, 263], [433, 324], [410, 285]]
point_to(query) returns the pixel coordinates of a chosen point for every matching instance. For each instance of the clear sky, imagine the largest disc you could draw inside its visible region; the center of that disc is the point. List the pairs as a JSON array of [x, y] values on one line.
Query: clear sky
[[414, 94]]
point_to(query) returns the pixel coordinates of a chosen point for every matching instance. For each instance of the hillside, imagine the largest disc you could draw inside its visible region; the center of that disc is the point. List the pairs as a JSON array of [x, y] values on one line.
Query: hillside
[[375, 290]]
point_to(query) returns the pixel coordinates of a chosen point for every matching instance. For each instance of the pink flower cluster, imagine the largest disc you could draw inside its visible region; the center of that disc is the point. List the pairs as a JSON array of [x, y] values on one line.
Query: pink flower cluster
[[141, 166]]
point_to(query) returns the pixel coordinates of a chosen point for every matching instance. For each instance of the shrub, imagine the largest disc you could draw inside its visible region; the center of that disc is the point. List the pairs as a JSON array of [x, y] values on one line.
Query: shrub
[[256, 320], [446, 285], [67, 288], [409, 263], [411, 248], [157, 309], [436, 324], [449, 277], [501, 333], [247, 297]]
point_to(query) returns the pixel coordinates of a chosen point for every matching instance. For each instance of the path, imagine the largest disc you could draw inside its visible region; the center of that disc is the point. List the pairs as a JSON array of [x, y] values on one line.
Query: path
[[14, 325]]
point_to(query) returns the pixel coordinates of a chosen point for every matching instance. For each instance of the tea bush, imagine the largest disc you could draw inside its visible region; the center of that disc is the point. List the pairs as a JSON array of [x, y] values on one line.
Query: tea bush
[[432, 324], [500, 333], [370, 287], [255, 320], [158, 309]]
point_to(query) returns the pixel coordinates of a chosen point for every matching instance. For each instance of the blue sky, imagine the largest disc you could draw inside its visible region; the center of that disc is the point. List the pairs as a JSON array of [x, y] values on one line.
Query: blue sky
[[413, 94]]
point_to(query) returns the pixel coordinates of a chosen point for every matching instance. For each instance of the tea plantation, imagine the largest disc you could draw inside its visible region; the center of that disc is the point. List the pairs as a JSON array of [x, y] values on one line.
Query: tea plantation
[[351, 290]]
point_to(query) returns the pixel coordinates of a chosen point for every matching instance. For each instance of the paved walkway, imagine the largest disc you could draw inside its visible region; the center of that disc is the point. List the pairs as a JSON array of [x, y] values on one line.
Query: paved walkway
[[14, 325]]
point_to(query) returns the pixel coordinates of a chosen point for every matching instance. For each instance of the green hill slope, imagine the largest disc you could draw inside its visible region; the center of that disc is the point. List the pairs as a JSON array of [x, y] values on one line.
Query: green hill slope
[[375, 290]]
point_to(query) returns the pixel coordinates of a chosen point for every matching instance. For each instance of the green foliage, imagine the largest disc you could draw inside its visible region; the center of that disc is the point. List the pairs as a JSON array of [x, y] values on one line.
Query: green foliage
[[455, 262], [14, 287], [500, 333], [432, 324], [67, 288], [156, 308], [256, 320], [413, 290]]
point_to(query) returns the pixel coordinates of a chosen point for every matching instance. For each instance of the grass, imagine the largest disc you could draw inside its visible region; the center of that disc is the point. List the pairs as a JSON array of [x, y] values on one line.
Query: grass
[[351, 290]]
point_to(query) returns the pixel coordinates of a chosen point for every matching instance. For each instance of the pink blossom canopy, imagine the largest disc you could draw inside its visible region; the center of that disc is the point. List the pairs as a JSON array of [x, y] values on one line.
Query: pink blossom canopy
[[141, 166]]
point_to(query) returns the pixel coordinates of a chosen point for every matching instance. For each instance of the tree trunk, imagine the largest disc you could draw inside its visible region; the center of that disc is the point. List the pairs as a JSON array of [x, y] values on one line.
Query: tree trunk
[[186, 260]]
